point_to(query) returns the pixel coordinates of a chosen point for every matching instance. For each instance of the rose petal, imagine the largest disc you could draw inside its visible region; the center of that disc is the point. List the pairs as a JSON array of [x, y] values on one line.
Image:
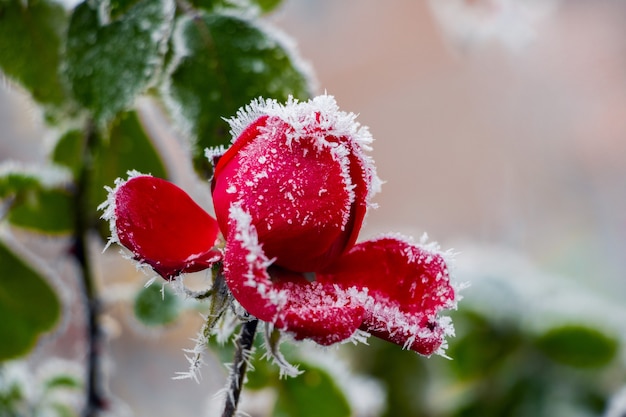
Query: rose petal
[[309, 310], [300, 171], [162, 226], [407, 284]]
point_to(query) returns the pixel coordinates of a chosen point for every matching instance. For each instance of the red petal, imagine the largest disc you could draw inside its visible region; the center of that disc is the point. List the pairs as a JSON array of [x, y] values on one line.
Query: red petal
[[163, 226], [295, 194], [301, 172], [407, 284], [308, 310]]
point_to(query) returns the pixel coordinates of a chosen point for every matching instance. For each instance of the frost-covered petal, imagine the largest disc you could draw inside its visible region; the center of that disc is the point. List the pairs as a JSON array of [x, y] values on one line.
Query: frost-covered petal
[[161, 225], [407, 286], [301, 173], [323, 313]]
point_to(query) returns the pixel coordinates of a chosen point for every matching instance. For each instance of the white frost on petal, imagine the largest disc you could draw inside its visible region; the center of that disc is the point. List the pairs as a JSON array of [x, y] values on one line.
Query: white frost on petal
[[245, 233], [108, 206], [215, 152], [318, 118], [397, 320]]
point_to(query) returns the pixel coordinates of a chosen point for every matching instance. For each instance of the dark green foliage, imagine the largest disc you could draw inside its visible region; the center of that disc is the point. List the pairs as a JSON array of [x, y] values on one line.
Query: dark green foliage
[[110, 62], [46, 211], [156, 306], [264, 6], [28, 305], [30, 44], [578, 346], [223, 63], [35, 205], [312, 394]]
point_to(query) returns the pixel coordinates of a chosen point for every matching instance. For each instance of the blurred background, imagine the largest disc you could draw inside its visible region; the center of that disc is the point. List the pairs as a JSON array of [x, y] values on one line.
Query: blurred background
[[500, 130]]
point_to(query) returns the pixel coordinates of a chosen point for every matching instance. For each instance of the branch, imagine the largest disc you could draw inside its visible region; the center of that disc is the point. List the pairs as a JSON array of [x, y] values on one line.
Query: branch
[[243, 350], [94, 398]]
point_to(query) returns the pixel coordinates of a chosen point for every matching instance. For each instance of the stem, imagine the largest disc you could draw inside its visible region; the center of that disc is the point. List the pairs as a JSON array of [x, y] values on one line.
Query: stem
[[243, 349], [94, 398]]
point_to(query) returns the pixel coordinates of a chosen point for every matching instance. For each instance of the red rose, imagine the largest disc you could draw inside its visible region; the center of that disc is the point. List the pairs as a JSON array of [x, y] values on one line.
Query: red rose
[[290, 196]]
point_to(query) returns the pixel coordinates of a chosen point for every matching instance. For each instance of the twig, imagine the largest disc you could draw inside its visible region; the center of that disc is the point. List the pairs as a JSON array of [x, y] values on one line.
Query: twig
[[94, 399], [243, 349]]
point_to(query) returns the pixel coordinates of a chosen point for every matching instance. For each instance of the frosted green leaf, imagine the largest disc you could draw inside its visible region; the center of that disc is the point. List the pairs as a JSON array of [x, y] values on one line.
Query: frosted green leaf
[[156, 306], [578, 346], [27, 302], [263, 6], [110, 62], [46, 211], [221, 63], [30, 39], [36, 198]]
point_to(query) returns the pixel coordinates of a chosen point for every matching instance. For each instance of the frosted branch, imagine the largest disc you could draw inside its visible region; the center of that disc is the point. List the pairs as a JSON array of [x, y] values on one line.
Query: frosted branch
[[243, 350]]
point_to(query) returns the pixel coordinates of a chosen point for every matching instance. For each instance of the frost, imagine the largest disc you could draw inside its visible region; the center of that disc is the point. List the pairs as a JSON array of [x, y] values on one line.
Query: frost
[[271, 343], [195, 355], [108, 207], [246, 234], [48, 176], [189, 109], [54, 383]]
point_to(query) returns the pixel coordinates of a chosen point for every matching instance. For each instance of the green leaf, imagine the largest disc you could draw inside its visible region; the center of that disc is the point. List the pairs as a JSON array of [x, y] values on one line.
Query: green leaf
[[11, 394], [311, 394], [267, 5], [27, 303], [68, 151], [63, 381], [156, 306], [482, 346], [62, 410], [224, 62], [578, 346], [264, 6], [125, 146], [110, 63], [122, 146], [47, 211], [30, 39], [37, 197]]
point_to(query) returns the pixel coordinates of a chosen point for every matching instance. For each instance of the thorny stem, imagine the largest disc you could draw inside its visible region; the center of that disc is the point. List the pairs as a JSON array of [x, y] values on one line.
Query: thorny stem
[[243, 349], [94, 398]]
